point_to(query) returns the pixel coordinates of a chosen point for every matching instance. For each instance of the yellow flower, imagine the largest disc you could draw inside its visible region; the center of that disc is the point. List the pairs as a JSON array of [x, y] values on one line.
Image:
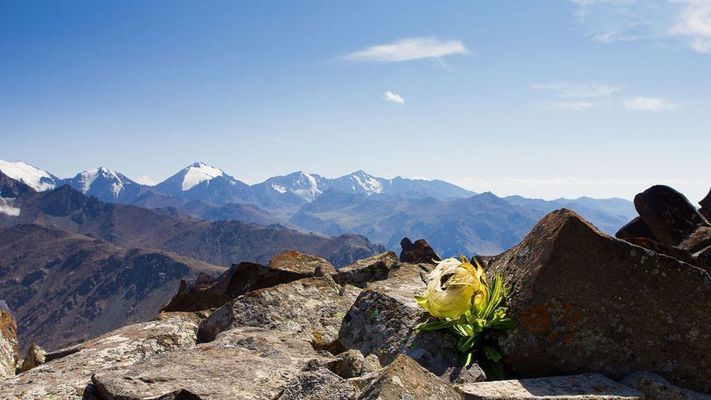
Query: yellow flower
[[453, 288]]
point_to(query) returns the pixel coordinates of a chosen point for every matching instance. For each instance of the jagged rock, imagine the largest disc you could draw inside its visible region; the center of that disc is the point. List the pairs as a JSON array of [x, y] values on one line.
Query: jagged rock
[[705, 209], [67, 377], [8, 341], [371, 363], [311, 308], [371, 269], [300, 263], [669, 215], [34, 357], [382, 322], [698, 240], [321, 384], [635, 229], [348, 364], [242, 363], [418, 252], [576, 387], [655, 387], [588, 302], [404, 378], [241, 278]]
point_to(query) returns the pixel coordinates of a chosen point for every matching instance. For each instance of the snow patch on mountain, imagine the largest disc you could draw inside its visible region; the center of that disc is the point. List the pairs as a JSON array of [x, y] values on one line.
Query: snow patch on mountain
[[308, 189], [198, 173], [29, 175], [368, 183], [279, 188], [7, 208], [87, 178]]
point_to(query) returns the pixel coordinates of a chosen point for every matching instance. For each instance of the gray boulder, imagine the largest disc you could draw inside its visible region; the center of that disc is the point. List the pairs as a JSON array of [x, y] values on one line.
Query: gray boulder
[[243, 363], [371, 269], [69, 377], [320, 384], [404, 378], [589, 302], [668, 214], [34, 357], [310, 308], [287, 266], [8, 341]]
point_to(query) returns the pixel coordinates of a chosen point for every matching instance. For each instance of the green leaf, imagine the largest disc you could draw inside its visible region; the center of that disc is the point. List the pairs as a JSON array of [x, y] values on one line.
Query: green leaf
[[435, 325], [492, 354]]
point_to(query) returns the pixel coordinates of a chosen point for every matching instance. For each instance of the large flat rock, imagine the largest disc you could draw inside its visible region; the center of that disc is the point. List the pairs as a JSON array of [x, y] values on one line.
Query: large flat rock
[[588, 302], [243, 363], [576, 387], [244, 277], [311, 308], [68, 377]]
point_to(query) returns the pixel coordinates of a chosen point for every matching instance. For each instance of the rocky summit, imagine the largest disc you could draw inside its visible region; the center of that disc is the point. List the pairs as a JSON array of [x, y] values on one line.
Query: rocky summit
[[598, 317]]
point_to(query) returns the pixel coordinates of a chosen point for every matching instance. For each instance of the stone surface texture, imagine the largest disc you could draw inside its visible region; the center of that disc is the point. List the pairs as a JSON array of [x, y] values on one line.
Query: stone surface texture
[[8, 342], [576, 387], [69, 377], [589, 302]]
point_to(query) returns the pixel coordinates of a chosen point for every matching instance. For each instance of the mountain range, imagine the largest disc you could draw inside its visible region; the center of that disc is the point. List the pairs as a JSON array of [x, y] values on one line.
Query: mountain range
[[384, 210], [73, 266]]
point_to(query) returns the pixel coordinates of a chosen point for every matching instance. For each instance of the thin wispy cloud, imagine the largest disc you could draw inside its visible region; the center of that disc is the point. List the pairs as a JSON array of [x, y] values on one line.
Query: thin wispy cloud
[[570, 105], [570, 90], [680, 22], [651, 104], [393, 97], [571, 96], [407, 50]]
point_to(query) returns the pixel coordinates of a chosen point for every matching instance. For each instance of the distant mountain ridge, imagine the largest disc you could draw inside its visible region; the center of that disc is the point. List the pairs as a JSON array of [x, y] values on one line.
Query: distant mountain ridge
[[384, 210]]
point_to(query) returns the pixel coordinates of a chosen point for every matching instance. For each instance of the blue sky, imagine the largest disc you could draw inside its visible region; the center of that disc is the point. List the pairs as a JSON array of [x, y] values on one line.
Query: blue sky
[[539, 98]]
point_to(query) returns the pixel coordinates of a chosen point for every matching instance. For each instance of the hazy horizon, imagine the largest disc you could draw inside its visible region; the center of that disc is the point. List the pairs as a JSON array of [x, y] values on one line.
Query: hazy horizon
[[540, 99]]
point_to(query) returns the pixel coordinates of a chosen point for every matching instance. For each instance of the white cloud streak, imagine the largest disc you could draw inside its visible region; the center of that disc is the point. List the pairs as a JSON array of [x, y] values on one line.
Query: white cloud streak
[[694, 24], [685, 22], [651, 104], [407, 50], [393, 97], [569, 90]]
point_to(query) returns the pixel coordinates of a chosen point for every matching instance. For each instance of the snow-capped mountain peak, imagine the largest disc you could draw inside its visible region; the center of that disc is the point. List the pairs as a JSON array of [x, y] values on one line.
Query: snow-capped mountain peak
[[361, 181], [197, 173], [31, 176], [85, 179], [306, 186]]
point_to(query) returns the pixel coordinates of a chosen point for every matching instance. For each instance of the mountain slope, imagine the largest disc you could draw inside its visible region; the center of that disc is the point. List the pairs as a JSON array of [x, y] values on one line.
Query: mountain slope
[[360, 182], [482, 224], [606, 214], [66, 288], [205, 183], [30, 175], [219, 242], [105, 185]]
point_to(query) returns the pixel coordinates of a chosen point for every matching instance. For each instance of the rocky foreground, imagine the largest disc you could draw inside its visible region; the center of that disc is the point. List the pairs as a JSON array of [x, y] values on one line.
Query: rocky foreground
[[598, 318]]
